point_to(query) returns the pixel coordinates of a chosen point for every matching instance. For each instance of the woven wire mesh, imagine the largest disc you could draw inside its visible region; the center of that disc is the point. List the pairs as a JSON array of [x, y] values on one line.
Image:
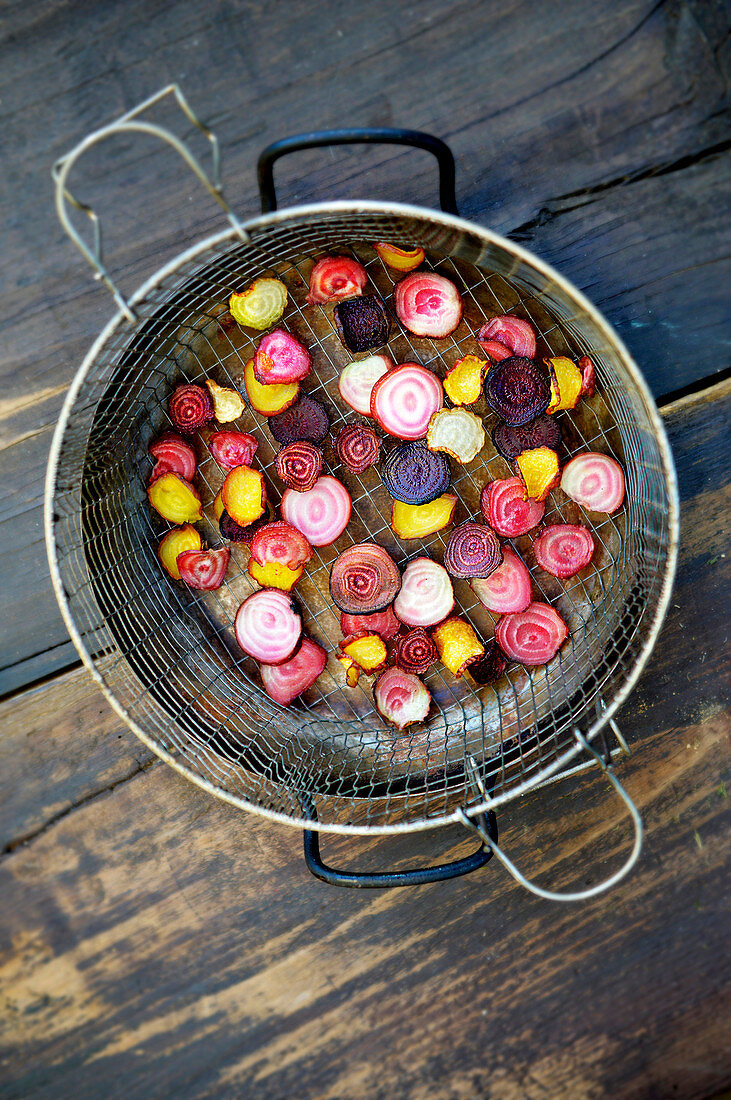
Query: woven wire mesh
[[167, 655]]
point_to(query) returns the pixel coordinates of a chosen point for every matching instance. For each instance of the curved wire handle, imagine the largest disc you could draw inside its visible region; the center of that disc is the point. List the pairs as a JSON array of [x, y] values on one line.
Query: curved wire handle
[[124, 124], [579, 895]]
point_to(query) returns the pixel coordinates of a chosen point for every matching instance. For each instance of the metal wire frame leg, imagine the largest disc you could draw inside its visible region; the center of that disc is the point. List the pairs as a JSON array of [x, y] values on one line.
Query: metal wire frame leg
[[579, 895]]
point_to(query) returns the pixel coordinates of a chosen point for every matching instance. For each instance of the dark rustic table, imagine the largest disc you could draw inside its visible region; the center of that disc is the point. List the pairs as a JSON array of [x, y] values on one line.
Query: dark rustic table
[[156, 942]]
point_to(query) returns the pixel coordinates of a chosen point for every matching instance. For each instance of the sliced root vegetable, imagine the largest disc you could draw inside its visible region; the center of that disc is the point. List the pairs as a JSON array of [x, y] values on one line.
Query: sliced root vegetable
[[237, 532], [364, 578], [367, 651], [505, 509], [232, 449], [218, 507], [268, 400], [457, 432], [566, 384], [426, 595], [259, 306], [268, 626], [540, 471], [457, 645], [383, 623], [428, 304], [174, 543], [174, 456], [336, 277], [304, 421], [361, 323], [400, 259], [352, 672], [357, 447], [175, 499], [244, 494], [284, 682], [508, 588], [543, 431], [280, 543], [564, 549], [415, 475], [190, 407], [490, 667], [532, 637], [595, 481], [416, 521], [494, 350], [204, 569], [463, 382], [228, 404], [401, 698], [358, 378], [322, 513], [472, 550], [588, 376], [518, 389], [517, 335], [299, 465], [274, 575], [281, 359], [415, 651], [404, 400]]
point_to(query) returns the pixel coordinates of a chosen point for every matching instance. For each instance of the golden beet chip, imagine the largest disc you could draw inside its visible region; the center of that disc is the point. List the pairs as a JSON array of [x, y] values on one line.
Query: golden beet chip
[[175, 499], [244, 494], [416, 521], [539, 470], [228, 404], [566, 384], [457, 644], [218, 506], [260, 305], [463, 383], [352, 671], [269, 399], [274, 574], [400, 259], [368, 651], [174, 543]]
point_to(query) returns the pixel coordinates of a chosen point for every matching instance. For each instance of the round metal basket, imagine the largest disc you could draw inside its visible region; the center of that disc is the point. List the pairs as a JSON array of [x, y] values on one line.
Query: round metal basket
[[166, 656]]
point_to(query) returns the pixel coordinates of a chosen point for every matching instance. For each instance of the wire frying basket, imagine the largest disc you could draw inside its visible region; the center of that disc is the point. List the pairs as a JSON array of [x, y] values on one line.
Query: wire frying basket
[[166, 656]]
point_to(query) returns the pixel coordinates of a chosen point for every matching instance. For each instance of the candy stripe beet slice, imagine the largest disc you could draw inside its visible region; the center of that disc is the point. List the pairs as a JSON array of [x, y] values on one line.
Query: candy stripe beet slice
[[505, 510], [518, 389], [280, 543], [304, 421], [357, 447], [426, 595], [515, 334], [595, 481], [299, 465], [401, 698], [268, 626], [564, 549], [204, 569], [285, 682], [358, 378], [232, 449], [281, 358], [322, 513], [174, 456], [472, 550], [404, 400], [336, 277], [383, 623], [415, 651], [364, 579], [190, 407], [532, 637], [495, 350], [428, 304], [415, 475], [508, 588], [543, 431]]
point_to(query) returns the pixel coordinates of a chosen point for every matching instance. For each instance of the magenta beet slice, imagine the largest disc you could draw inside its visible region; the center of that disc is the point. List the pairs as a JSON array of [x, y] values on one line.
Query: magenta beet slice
[[306, 420], [285, 682], [564, 549], [204, 569], [299, 465], [364, 578], [426, 595], [383, 623], [532, 637], [518, 389], [588, 376], [505, 510], [515, 334], [595, 481], [321, 513], [268, 626], [543, 431], [401, 697], [336, 277], [472, 550], [361, 323], [490, 666], [415, 475], [357, 447], [232, 449], [495, 350], [508, 588], [404, 400], [281, 358], [415, 651], [280, 543], [190, 407], [174, 456], [428, 304]]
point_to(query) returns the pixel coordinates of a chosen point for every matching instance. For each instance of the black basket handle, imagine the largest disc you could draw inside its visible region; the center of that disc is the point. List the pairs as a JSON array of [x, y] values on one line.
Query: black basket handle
[[368, 136]]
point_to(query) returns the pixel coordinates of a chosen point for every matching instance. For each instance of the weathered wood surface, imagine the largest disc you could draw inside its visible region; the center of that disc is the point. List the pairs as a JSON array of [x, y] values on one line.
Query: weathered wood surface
[[156, 942], [595, 136]]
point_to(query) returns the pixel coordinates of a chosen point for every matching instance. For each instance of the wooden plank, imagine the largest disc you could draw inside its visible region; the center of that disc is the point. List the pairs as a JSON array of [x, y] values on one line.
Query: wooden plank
[[156, 942]]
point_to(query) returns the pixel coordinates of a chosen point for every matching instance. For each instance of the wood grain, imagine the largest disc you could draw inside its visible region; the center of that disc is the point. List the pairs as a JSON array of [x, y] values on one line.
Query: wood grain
[[155, 942]]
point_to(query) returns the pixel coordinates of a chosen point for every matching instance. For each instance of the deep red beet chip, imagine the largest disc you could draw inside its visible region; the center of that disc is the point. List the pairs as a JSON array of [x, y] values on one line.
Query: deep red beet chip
[[364, 578], [234, 531], [543, 431], [357, 447], [415, 651], [473, 550], [299, 465], [306, 420], [190, 407], [361, 323], [490, 667]]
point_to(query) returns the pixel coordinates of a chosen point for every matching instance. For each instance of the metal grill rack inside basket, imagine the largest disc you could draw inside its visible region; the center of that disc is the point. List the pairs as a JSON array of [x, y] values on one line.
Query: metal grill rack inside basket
[[167, 656]]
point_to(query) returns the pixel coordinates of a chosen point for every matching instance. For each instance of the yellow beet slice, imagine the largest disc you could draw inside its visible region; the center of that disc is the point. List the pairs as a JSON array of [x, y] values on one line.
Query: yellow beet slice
[[260, 305], [175, 499], [218, 505], [228, 404], [352, 671], [463, 383], [416, 521], [274, 575], [269, 399], [368, 651], [244, 494], [567, 384], [174, 543], [400, 259], [457, 644], [539, 470]]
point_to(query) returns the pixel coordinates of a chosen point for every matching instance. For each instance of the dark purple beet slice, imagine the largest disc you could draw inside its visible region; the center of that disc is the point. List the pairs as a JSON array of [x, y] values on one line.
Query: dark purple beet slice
[[415, 475], [306, 420], [473, 550], [234, 532], [544, 431], [490, 667], [518, 390], [362, 323]]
